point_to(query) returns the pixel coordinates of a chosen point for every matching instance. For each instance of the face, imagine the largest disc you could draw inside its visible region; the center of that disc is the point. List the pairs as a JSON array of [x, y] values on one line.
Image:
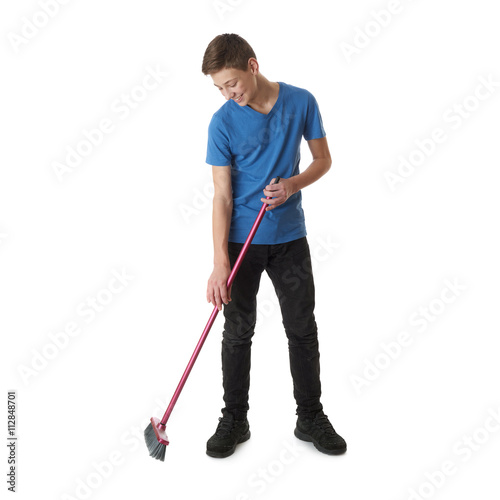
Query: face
[[236, 84]]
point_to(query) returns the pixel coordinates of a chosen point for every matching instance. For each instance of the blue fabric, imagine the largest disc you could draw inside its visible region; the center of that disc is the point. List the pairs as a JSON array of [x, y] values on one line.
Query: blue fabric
[[259, 147]]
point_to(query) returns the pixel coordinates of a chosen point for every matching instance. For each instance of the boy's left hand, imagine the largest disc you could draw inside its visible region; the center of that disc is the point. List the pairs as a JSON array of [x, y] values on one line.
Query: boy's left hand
[[279, 193]]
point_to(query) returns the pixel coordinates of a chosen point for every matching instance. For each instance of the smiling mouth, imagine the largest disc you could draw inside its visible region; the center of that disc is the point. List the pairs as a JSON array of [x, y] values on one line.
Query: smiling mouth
[[238, 99]]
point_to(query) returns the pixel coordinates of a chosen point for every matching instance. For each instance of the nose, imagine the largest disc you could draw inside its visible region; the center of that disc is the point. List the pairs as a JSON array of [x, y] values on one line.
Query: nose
[[228, 94]]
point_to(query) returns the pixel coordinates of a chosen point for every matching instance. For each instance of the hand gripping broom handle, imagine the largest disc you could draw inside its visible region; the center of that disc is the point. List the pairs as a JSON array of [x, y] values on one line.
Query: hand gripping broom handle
[[211, 320]]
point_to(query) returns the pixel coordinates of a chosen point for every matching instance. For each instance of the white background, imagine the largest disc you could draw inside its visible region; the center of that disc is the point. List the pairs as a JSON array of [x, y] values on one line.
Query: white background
[[139, 204]]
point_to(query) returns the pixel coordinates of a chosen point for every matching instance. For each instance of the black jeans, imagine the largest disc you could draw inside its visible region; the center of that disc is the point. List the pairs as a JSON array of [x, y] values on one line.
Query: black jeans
[[289, 267]]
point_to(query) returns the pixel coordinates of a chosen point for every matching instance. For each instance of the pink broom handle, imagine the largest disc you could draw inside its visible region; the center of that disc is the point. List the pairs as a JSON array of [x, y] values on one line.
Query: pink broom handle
[[211, 320]]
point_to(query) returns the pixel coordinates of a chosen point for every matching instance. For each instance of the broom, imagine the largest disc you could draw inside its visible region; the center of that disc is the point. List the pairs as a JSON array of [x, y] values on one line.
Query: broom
[[154, 434]]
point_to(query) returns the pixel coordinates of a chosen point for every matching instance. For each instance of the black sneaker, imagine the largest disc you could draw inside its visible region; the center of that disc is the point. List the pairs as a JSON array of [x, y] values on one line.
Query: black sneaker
[[319, 431], [229, 433]]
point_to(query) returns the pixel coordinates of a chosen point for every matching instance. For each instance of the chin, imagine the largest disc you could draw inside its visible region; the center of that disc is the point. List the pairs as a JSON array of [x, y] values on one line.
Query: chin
[[244, 101]]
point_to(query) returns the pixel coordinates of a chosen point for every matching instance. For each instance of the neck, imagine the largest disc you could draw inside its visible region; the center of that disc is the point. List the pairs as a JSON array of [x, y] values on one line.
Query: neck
[[266, 92]]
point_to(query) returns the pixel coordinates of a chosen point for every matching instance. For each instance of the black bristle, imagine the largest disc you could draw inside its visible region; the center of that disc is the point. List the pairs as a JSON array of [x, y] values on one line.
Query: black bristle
[[156, 449]]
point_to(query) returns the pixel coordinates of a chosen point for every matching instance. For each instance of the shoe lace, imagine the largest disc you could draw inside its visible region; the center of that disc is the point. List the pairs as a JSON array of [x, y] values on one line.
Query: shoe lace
[[225, 426], [324, 424]]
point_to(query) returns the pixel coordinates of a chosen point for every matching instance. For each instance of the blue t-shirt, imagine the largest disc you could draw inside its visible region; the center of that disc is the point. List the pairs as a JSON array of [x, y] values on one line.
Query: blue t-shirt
[[259, 147]]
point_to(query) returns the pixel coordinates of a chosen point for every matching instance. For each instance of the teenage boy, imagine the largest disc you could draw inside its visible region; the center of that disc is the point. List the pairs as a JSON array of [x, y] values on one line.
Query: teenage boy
[[253, 138]]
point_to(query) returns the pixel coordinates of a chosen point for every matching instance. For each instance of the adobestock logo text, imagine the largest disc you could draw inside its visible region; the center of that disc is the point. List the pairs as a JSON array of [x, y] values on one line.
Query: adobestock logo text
[[88, 310]]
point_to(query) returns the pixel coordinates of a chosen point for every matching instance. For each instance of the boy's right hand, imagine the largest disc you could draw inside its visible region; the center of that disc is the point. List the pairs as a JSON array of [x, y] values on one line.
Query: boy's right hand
[[217, 292]]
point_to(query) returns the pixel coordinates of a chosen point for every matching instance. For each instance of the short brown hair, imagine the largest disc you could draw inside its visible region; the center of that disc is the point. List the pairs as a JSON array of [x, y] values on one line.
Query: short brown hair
[[227, 51]]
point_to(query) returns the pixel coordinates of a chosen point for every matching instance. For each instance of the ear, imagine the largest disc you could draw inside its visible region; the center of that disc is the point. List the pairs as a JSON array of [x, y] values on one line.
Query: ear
[[253, 66]]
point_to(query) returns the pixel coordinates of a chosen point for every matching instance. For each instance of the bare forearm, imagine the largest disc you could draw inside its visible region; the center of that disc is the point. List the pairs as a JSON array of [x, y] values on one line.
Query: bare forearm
[[280, 192], [322, 161], [221, 221], [316, 170]]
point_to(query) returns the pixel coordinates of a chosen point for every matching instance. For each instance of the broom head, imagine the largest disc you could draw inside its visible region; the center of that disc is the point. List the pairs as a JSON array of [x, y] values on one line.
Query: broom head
[[156, 439]]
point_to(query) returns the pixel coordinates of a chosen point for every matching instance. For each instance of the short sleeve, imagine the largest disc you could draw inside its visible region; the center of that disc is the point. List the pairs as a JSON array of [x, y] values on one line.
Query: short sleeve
[[218, 151], [313, 128]]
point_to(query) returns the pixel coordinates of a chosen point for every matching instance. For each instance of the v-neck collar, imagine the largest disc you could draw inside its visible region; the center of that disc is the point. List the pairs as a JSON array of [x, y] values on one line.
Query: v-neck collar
[[272, 110]]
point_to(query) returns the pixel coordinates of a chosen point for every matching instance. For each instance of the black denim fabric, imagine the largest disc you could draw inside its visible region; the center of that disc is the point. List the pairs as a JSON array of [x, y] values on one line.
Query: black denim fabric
[[289, 267]]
